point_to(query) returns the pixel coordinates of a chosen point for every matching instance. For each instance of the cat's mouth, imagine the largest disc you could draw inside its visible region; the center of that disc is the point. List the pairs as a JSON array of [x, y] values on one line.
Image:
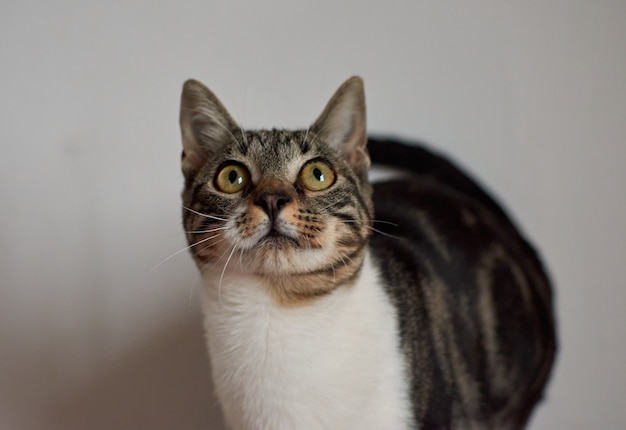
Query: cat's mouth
[[278, 239]]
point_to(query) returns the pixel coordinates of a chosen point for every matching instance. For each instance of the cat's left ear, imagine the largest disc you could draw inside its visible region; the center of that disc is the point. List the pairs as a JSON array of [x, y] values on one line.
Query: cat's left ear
[[342, 124], [205, 124]]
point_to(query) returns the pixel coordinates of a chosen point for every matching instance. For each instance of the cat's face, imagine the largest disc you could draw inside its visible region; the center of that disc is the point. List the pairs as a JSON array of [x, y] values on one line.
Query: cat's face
[[276, 203]]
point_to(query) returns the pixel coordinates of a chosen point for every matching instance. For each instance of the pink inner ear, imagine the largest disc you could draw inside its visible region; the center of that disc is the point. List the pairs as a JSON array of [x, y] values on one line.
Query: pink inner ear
[[360, 161], [358, 156], [191, 161]]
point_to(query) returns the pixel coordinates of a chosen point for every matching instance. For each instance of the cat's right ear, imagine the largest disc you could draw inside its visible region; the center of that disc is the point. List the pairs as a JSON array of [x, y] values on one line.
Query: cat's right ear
[[342, 125], [205, 125]]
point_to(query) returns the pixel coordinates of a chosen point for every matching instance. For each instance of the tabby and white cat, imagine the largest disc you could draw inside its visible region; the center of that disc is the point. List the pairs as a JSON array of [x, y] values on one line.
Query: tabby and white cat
[[332, 303]]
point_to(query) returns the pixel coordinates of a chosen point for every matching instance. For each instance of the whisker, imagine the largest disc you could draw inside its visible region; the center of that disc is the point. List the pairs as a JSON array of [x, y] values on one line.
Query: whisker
[[241, 259], [379, 221], [351, 221], [308, 243], [183, 250], [316, 135], [219, 287], [243, 134], [374, 221], [383, 233], [347, 257], [193, 287], [329, 205], [341, 255], [206, 231], [306, 134], [204, 215], [213, 244], [222, 126], [230, 133]]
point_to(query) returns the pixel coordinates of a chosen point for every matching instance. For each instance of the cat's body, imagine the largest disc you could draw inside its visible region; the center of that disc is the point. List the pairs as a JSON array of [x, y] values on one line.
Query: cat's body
[[332, 304]]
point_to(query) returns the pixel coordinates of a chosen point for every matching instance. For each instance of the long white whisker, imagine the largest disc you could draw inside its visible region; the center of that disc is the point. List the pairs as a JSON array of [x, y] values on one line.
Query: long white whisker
[[241, 259], [243, 134], [193, 287], [230, 133], [306, 134], [183, 250], [383, 233], [344, 261], [346, 221], [375, 221], [204, 215], [213, 244], [207, 231], [330, 205], [219, 288], [226, 129], [379, 221]]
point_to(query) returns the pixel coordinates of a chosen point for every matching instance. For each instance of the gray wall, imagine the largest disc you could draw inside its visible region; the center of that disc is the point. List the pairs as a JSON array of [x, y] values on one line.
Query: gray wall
[[530, 96]]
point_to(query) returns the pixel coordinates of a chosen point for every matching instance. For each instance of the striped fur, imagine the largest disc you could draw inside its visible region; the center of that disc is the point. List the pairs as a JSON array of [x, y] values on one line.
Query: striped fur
[[475, 303], [472, 306], [330, 229]]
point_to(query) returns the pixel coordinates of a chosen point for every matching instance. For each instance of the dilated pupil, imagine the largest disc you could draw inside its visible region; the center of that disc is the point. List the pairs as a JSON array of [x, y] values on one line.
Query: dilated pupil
[[318, 174], [232, 176]]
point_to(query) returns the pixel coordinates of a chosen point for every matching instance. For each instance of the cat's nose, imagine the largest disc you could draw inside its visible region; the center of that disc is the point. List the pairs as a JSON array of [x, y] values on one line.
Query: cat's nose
[[272, 202]]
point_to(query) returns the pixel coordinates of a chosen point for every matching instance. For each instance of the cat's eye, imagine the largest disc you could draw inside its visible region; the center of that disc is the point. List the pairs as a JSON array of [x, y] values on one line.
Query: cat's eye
[[317, 176], [232, 178]]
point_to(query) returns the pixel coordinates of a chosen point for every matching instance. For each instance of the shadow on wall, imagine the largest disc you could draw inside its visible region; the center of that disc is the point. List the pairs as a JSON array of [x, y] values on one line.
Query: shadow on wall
[[162, 385]]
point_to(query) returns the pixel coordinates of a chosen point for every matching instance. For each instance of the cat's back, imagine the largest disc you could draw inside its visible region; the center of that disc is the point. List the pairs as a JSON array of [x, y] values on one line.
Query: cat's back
[[473, 300]]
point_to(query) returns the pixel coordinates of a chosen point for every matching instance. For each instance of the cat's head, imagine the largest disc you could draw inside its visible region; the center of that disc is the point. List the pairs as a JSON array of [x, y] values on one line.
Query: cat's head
[[277, 203]]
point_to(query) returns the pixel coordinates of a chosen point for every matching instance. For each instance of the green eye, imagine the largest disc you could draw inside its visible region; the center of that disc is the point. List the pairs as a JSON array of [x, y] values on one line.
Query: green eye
[[317, 176], [232, 179]]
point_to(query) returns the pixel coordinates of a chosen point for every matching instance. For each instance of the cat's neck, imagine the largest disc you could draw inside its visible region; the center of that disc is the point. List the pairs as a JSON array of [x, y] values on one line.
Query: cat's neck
[[286, 290], [305, 366]]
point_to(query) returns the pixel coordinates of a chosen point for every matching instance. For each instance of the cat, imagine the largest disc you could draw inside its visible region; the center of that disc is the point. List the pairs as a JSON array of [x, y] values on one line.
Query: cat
[[330, 302]]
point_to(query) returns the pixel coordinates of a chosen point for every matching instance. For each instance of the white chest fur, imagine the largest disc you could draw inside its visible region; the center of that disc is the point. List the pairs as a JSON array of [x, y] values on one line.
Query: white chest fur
[[333, 364]]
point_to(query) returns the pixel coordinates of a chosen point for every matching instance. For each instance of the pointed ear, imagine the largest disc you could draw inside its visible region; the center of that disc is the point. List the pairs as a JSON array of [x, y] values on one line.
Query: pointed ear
[[205, 124], [342, 124]]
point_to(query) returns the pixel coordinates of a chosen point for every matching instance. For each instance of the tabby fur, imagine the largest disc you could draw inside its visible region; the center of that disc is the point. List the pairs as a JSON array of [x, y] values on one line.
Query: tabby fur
[[410, 303]]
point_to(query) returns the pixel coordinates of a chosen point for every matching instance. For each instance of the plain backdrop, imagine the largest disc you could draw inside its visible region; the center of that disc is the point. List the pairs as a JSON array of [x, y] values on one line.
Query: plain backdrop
[[97, 333]]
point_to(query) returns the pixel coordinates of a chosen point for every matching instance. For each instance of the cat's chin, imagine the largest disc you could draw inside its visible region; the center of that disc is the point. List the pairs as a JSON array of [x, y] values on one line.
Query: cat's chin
[[283, 255]]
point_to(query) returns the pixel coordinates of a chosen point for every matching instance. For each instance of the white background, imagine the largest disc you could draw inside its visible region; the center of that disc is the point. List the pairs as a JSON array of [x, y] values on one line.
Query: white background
[[529, 96]]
